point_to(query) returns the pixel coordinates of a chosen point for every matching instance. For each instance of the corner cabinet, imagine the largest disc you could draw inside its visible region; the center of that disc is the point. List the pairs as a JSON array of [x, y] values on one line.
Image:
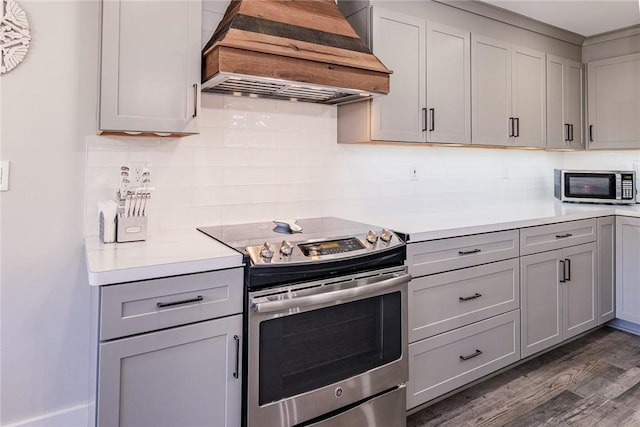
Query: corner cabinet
[[508, 99], [614, 102], [430, 97], [565, 83], [150, 67], [628, 270], [169, 351]]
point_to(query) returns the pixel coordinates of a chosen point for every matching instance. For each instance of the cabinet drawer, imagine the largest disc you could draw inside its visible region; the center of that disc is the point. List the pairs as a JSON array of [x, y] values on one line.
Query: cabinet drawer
[[555, 236], [447, 361], [148, 305], [445, 301], [436, 256]]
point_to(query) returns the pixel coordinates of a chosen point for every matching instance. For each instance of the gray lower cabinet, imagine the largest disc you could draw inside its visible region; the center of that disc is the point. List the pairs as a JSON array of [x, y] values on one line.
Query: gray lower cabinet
[[606, 269], [183, 376], [628, 269], [558, 290], [447, 361]]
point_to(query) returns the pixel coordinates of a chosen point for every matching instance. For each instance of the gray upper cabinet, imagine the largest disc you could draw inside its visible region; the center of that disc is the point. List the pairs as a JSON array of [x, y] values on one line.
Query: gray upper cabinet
[[150, 66], [430, 97], [508, 100], [614, 102], [399, 42], [448, 84], [564, 103]]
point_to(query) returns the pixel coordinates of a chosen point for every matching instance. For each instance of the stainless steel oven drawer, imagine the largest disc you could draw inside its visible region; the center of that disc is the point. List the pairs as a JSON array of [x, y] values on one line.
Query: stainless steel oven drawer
[[441, 302], [386, 410], [447, 361], [555, 236], [436, 256], [136, 307]]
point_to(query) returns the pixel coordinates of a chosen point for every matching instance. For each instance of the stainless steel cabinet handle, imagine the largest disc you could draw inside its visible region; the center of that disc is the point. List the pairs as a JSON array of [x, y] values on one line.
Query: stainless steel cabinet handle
[[471, 356], [567, 128], [331, 296], [195, 100], [474, 296], [432, 112], [563, 236], [424, 120], [567, 263], [472, 251], [184, 301], [511, 127], [235, 372], [562, 267]]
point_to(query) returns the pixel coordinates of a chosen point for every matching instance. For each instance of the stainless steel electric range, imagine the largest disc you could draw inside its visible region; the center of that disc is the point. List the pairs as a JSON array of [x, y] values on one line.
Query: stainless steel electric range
[[325, 322]]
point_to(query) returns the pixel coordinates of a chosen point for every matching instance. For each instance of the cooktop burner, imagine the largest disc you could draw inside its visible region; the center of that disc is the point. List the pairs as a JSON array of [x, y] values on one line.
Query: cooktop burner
[[320, 239]]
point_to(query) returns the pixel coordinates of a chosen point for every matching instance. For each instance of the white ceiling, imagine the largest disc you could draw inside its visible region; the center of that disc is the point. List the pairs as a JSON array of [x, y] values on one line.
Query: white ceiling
[[584, 17]]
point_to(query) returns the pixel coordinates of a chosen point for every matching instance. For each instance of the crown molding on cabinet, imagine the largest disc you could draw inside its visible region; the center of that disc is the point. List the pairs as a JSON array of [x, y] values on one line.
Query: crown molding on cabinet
[[613, 35], [514, 19]]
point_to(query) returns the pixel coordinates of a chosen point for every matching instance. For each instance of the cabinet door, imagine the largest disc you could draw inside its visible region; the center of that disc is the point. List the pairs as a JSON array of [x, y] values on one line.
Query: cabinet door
[[528, 102], [628, 269], [579, 290], [175, 377], [150, 66], [399, 41], [541, 301], [557, 129], [606, 269], [614, 102], [574, 101], [491, 91], [448, 84]]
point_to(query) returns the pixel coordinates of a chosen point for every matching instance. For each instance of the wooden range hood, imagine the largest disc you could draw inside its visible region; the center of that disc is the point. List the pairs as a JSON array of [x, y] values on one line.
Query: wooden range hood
[[300, 50]]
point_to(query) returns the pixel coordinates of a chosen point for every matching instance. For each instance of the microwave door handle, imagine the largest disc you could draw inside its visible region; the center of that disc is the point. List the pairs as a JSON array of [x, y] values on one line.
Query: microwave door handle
[[323, 298]]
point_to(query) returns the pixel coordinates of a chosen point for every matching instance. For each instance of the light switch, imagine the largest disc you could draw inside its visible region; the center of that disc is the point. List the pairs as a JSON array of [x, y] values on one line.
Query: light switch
[[4, 175]]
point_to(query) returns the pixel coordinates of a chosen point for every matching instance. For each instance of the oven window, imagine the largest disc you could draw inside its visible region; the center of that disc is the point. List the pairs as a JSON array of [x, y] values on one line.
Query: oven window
[[590, 186], [305, 351]]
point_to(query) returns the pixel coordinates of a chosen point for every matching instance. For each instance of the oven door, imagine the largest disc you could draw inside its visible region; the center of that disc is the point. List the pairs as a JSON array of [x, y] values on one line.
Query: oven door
[[319, 347]]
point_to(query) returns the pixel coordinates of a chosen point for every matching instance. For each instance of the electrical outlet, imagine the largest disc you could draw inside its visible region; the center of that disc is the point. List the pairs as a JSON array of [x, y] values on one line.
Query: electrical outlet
[[135, 173], [413, 173]]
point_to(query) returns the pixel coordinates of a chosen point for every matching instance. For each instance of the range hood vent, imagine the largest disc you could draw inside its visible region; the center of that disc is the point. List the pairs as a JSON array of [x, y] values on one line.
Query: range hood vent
[[298, 50]]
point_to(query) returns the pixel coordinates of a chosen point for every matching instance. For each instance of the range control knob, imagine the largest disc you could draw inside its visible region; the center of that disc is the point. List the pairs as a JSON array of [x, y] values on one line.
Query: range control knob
[[386, 235], [372, 237], [266, 251], [286, 248]]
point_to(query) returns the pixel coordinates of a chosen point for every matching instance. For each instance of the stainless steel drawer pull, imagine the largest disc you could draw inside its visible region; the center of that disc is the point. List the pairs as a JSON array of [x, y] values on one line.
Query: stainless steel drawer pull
[[474, 296], [184, 301], [472, 251], [471, 356], [236, 370], [562, 236]]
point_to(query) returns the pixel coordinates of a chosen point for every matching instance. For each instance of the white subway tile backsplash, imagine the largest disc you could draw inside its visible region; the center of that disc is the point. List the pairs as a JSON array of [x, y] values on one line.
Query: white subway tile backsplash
[[257, 159]]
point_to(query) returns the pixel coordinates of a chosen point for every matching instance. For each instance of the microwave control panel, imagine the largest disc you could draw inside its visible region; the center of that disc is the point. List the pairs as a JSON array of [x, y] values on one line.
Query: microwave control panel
[[627, 187]]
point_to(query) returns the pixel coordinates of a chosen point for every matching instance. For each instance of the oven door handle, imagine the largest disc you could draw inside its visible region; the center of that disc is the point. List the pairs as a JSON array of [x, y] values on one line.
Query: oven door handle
[[323, 298]]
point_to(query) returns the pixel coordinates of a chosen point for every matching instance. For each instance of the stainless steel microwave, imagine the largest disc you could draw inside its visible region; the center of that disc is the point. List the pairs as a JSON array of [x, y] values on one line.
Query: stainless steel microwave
[[618, 187]]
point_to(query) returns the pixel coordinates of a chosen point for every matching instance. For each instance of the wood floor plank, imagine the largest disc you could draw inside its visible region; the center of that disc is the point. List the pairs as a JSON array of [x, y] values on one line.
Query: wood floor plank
[[594, 380]]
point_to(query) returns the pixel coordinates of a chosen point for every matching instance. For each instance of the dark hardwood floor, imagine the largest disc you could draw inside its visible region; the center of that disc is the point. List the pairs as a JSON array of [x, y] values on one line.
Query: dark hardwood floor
[[593, 381]]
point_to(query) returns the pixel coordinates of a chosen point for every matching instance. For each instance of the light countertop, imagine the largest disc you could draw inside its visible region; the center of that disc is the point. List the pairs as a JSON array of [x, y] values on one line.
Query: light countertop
[[442, 222], [185, 251], [163, 254]]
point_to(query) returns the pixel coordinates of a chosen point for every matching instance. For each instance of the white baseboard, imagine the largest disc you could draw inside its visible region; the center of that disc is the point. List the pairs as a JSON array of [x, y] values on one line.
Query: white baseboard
[[76, 416], [623, 325]]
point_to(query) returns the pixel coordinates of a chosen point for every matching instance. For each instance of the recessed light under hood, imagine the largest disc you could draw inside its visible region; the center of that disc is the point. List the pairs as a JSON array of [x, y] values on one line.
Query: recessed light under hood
[[299, 50]]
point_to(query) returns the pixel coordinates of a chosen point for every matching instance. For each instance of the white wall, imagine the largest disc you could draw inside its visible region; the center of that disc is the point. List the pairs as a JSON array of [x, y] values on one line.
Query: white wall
[[48, 108]]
